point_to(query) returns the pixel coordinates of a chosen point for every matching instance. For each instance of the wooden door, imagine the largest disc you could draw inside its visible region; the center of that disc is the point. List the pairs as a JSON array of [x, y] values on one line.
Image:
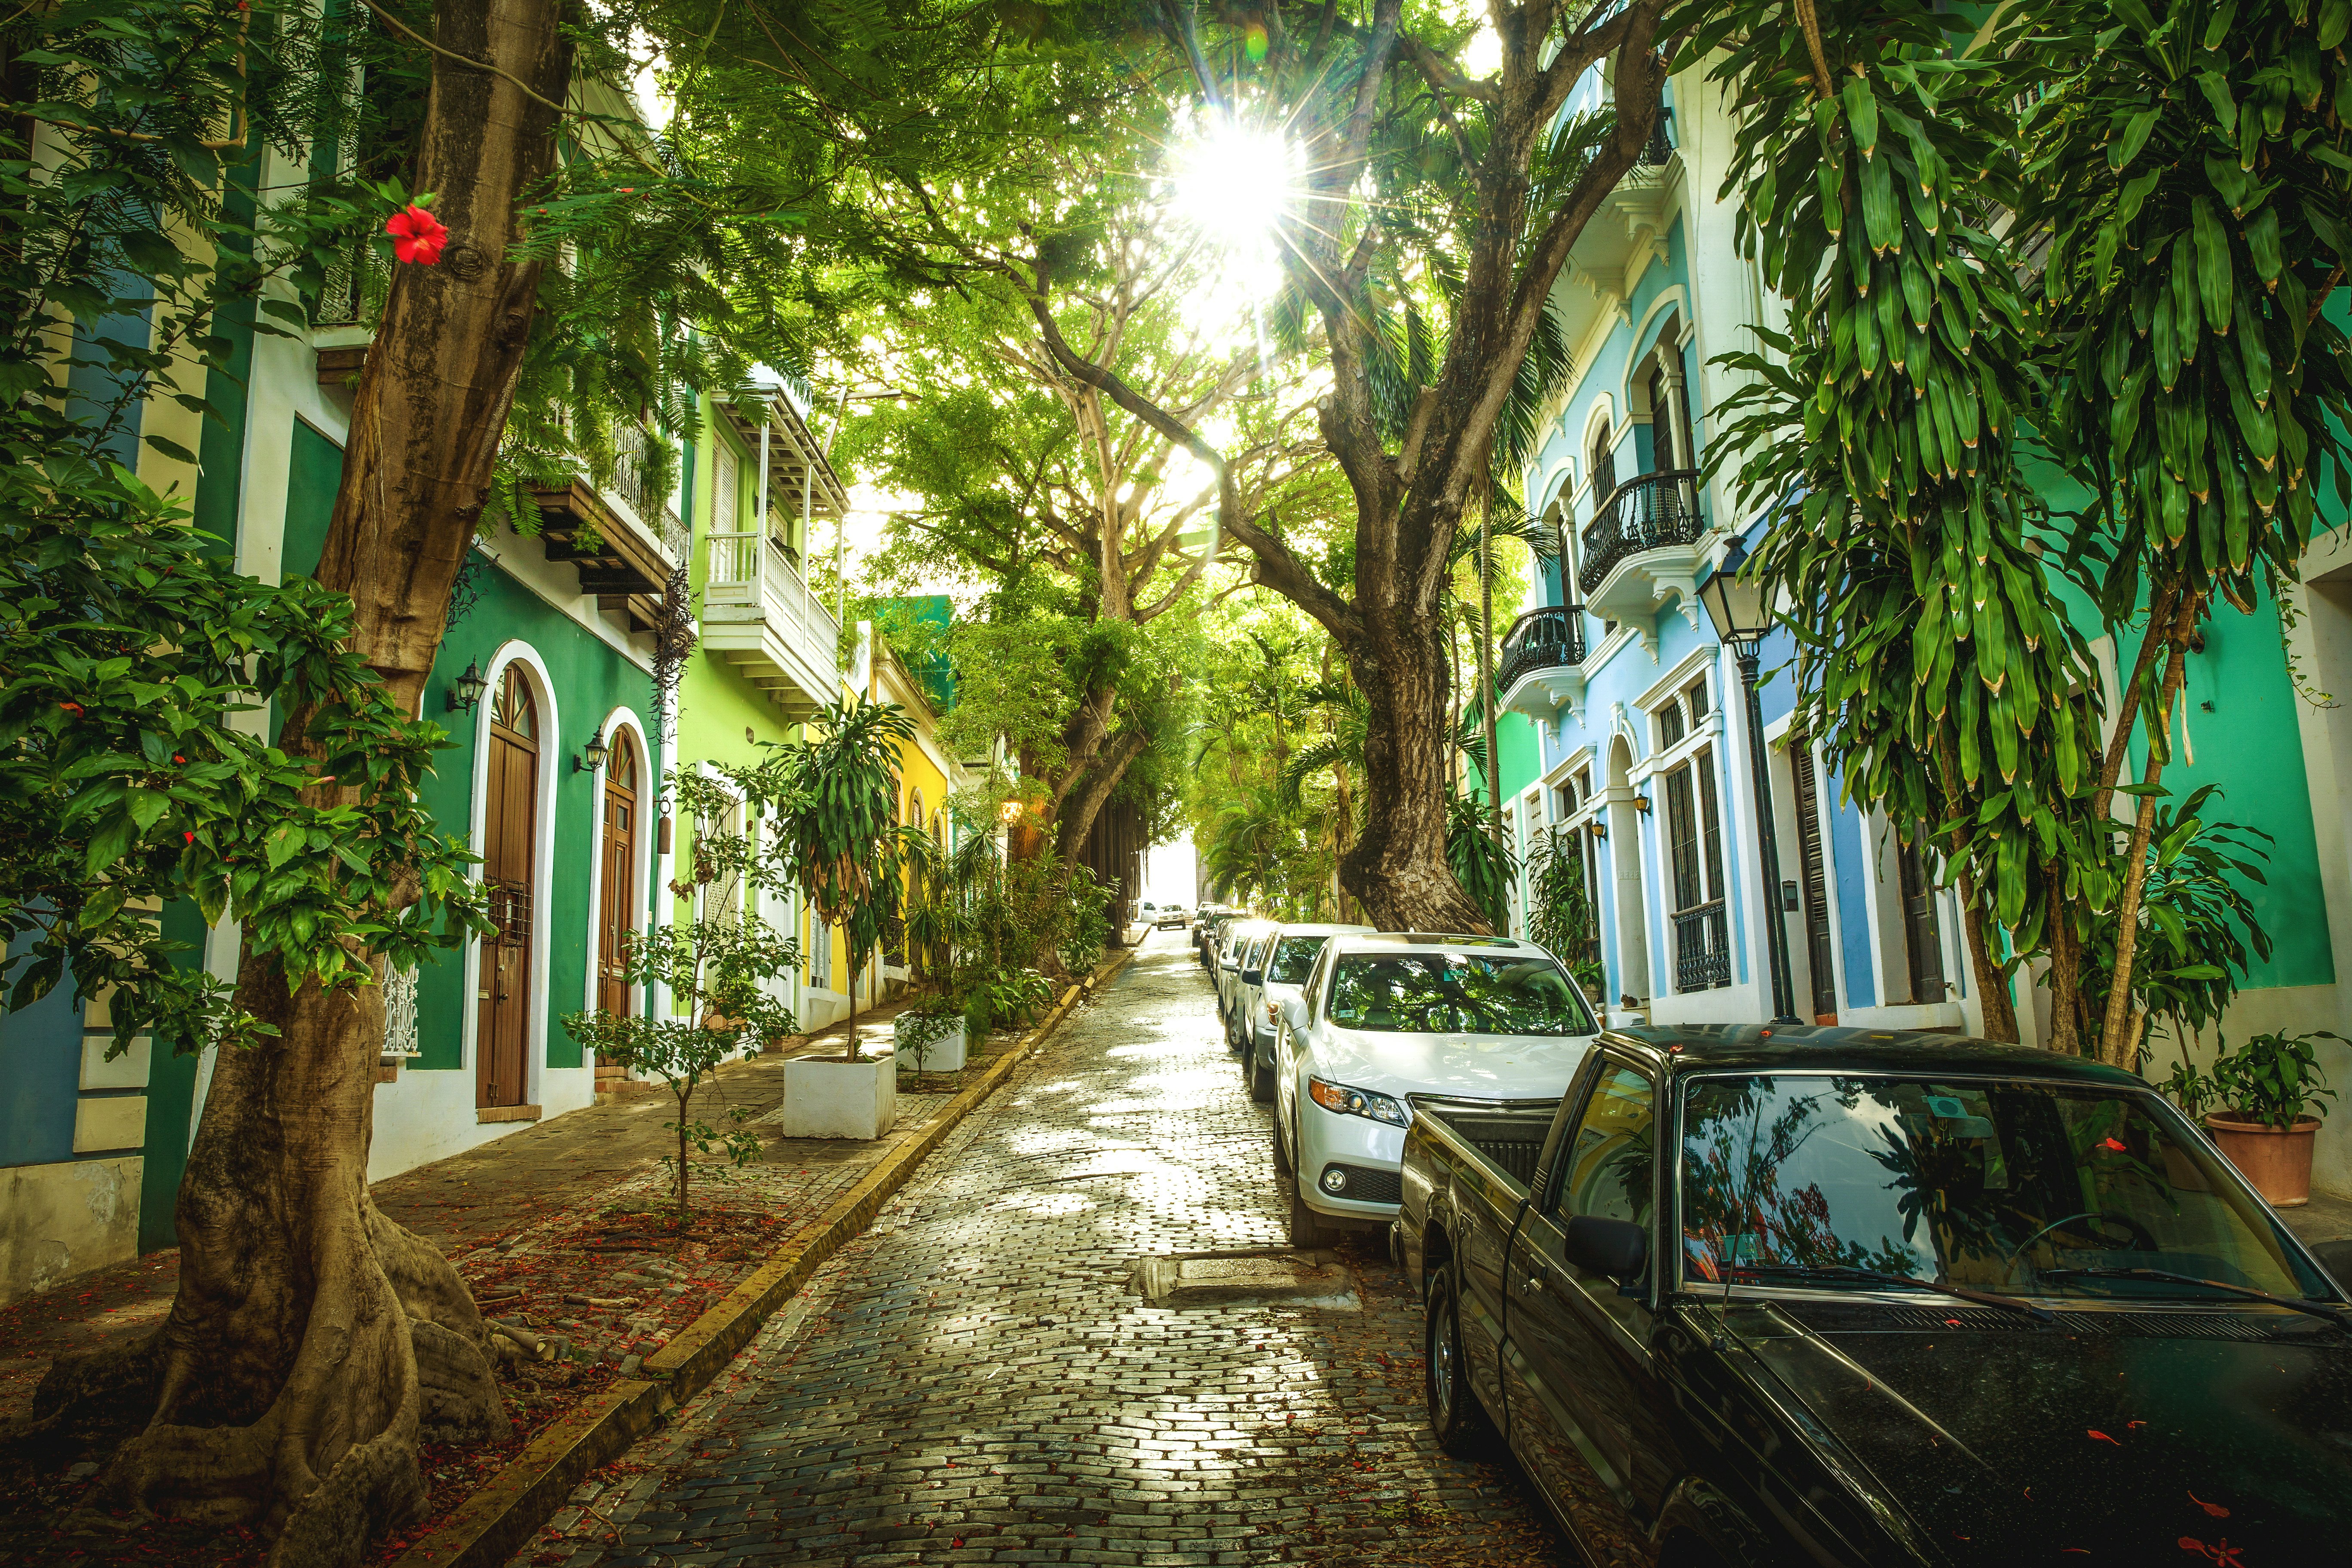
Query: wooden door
[[1814, 876], [617, 899], [510, 839], [1923, 943]]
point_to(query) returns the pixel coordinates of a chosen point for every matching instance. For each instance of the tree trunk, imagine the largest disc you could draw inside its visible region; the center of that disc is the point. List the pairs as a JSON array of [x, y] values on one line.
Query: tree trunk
[[2117, 1037], [1398, 869], [313, 1342], [1487, 695], [1084, 804]]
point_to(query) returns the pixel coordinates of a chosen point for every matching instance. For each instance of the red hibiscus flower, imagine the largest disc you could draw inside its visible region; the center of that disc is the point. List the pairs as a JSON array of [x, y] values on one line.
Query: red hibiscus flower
[[416, 235]]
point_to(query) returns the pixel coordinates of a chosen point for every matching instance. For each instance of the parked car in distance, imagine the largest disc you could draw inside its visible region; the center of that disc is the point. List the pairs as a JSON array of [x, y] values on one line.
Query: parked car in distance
[[1235, 1010], [1826, 1296], [1389, 1022], [1158, 916], [1277, 977], [1231, 944], [1205, 935]]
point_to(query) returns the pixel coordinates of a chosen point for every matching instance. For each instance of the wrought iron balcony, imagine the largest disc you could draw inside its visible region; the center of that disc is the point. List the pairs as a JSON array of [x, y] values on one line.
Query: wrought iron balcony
[[1648, 511], [1702, 948], [1548, 638], [1542, 667]]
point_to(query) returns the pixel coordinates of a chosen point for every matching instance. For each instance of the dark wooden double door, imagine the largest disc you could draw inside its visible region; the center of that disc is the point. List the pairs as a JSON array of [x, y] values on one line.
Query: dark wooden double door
[[510, 849]]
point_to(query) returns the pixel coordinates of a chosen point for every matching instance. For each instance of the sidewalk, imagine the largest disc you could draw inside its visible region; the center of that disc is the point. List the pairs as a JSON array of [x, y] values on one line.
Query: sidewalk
[[562, 1233]]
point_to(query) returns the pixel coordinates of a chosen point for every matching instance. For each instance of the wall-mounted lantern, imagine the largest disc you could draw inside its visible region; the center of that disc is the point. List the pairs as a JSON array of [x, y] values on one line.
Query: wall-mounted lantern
[[465, 692]]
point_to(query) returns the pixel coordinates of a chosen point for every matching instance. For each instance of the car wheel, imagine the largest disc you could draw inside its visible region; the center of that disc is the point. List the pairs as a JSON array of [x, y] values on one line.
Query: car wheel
[[1456, 1417], [1281, 1148], [1260, 1076], [1306, 1225]]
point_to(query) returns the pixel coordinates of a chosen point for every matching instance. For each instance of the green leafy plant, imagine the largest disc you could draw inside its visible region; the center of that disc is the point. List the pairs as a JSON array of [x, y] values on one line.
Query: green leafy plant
[[1935, 661], [2275, 1079], [835, 794], [717, 966], [1560, 911], [1484, 866], [2191, 1087], [2199, 928], [923, 1025]]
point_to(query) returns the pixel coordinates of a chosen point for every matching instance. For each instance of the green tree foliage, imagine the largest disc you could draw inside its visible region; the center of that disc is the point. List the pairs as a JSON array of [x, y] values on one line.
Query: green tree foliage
[[1936, 665], [135, 656], [2190, 163]]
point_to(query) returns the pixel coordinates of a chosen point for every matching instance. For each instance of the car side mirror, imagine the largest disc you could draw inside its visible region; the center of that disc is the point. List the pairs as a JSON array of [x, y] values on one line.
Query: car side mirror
[[1613, 1249], [1293, 1013], [1253, 976]]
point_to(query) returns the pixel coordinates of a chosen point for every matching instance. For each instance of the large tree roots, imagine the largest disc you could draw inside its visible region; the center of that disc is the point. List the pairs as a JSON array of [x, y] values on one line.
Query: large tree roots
[[313, 1343], [331, 1462]]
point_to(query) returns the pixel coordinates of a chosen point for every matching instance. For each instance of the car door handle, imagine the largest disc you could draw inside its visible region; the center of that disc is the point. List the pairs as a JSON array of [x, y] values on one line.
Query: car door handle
[[1534, 1284]]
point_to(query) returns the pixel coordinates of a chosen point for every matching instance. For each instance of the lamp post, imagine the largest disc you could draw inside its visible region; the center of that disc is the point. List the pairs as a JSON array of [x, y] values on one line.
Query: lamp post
[[1742, 614]]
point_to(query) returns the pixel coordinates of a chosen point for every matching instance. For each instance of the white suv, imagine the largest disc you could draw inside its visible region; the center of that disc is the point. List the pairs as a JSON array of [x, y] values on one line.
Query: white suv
[[1393, 1020]]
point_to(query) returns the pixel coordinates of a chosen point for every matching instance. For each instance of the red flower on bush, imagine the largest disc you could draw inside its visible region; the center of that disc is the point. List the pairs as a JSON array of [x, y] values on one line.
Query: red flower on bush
[[416, 235], [72, 708]]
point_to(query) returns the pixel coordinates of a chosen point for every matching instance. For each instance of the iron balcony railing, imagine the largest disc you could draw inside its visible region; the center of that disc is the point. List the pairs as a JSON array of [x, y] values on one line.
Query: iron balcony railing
[[1647, 512], [1702, 948], [1548, 638]]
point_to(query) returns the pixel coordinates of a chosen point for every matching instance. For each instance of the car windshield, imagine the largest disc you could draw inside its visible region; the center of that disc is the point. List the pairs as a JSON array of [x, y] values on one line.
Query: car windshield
[[1293, 960], [2010, 1185], [1456, 993]]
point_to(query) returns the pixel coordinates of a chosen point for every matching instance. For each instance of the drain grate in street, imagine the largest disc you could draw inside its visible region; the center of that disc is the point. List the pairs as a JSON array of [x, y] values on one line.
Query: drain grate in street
[[1265, 1278]]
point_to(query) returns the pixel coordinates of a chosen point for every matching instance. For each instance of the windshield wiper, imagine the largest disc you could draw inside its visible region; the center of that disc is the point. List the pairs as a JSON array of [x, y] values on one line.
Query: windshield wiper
[[2334, 1313], [1876, 1277]]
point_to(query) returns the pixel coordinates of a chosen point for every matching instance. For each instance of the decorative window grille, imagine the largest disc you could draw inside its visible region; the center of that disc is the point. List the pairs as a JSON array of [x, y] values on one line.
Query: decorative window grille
[[400, 1012]]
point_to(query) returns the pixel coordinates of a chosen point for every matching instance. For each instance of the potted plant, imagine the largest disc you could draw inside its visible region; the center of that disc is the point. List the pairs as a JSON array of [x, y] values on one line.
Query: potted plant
[[837, 838], [929, 1037], [2274, 1091]]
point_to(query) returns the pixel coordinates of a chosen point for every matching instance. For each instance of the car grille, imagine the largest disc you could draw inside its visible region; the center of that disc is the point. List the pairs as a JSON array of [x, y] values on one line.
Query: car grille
[[1367, 1185], [1859, 1318]]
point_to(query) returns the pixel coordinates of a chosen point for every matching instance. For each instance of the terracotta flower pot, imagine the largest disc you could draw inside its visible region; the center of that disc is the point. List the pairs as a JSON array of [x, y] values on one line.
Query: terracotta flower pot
[[2277, 1161]]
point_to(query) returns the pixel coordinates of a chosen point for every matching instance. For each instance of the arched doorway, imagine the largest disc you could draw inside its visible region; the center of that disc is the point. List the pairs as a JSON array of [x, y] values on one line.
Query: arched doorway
[[509, 842], [616, 900], [1625, 863]]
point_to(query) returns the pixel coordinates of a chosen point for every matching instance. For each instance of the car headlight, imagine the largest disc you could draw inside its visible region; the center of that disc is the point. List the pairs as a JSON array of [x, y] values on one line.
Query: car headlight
[[1339, 1097]]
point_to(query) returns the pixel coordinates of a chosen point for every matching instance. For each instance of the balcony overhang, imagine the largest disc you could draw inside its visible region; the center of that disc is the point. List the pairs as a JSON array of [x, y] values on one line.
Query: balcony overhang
[[758, 616], [626, 564], [1646, 583], [1541, 693]]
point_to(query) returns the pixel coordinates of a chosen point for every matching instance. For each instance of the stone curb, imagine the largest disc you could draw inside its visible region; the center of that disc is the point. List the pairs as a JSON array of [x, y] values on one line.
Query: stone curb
[[503, 1513]]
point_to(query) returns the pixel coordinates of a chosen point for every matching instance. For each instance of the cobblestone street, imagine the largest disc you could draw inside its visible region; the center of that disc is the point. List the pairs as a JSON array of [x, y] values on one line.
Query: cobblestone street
[[975, 1380]]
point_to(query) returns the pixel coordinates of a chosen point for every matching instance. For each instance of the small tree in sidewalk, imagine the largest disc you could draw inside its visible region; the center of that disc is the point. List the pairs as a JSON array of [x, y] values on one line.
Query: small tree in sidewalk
[[715, 967], [837, 836]]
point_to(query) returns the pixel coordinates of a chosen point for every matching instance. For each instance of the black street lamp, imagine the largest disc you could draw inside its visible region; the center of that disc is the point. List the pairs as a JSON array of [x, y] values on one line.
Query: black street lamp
[[1742, 613]]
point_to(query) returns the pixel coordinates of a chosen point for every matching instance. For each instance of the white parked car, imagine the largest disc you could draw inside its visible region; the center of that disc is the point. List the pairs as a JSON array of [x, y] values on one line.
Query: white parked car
[[1391, 1021], [1232, 943], [1278, 975]]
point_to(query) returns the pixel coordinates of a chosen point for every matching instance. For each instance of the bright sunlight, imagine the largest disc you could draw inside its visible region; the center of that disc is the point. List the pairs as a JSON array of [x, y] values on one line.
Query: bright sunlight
[[1236, 182]]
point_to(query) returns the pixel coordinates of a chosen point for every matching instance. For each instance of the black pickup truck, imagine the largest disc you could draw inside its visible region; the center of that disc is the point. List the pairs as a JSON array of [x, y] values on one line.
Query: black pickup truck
[[1750, 1297]]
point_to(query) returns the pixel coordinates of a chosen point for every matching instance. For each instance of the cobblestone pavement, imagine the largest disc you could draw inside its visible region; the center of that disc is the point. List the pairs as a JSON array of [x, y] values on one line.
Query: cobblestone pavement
[[972, 1380]]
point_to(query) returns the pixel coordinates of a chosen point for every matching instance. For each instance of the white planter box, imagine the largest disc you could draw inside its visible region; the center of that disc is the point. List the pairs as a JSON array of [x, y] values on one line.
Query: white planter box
[[827, 1098], [945, 1054]]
